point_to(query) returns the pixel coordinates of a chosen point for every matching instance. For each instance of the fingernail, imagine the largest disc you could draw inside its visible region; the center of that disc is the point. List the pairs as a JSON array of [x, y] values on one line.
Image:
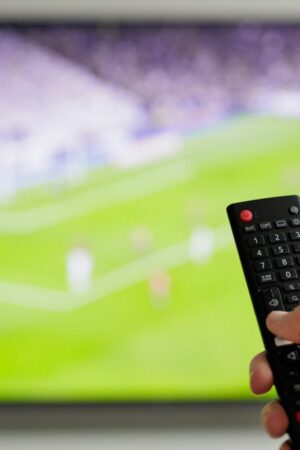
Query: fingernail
[[265, 413]]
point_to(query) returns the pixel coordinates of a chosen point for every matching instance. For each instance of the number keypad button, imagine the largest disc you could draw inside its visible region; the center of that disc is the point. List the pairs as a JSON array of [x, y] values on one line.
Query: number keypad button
[[256, 241], [286, 261], [259, 253], [263, 265], [283, 249], [276, 237], [290, 274], [295, 235]]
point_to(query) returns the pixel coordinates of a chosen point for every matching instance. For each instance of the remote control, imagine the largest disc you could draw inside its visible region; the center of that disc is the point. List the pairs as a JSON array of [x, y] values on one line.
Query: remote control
[[267, 236]]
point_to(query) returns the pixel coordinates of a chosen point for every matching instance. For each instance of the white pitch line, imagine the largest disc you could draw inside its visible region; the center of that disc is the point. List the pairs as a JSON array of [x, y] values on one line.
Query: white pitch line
[[132, 188], [113, 282]]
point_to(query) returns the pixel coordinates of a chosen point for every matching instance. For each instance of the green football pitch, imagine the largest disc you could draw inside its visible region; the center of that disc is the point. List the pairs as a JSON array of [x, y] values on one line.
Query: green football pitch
[[113, 343]]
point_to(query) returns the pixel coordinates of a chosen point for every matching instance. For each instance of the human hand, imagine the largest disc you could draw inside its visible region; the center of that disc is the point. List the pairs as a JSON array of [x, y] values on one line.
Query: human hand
[[285, 326]]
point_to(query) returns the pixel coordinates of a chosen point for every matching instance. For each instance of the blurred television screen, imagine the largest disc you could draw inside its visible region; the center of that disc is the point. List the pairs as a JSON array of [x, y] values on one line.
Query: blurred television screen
[[120, 147]]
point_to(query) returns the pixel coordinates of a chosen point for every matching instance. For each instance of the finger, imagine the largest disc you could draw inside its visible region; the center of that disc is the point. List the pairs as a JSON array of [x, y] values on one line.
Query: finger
[[274, 419], [286, 446], [261, 376], [285, 325]]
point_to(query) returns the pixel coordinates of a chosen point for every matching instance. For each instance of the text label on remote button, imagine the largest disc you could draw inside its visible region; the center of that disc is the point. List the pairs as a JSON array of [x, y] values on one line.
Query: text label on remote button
[[281, 223], [250, 229], [264, 226], [267, 278]]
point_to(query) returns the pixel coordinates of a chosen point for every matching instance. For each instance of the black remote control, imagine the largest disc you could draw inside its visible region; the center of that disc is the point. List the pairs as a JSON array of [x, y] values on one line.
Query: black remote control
[[267, 236]]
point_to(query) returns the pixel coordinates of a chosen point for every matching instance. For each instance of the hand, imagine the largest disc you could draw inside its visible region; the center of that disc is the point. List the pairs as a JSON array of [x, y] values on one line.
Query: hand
[[285, 326]]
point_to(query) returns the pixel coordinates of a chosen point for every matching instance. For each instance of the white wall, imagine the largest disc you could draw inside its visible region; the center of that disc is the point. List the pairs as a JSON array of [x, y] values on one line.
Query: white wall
[[151, 9]]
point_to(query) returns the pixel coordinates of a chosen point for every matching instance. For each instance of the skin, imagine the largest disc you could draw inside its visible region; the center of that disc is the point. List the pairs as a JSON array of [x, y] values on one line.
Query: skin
[[285, 326]]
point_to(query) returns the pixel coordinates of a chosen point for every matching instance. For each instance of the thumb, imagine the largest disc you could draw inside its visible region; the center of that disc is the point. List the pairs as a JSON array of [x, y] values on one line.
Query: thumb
[[285, 325]]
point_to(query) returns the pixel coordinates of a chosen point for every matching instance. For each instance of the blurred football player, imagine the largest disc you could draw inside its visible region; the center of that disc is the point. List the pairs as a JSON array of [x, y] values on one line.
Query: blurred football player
[[160, 289], [201, 245], [79, 266], [142, 239]]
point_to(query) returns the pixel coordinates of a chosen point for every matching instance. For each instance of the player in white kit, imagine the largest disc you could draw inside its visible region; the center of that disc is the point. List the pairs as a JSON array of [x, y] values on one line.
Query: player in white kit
[[201, 245], [80, 267]]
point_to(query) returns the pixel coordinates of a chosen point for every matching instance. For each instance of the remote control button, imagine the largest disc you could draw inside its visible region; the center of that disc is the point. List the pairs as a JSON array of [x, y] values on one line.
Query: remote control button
[[291, 287], [281, 223], [294, 210], [295, 222], [246, 215], [255, 241], [276, 237], [266, 278], [295, 388], [293, 298], [293, 374], [290, 356], [295, 235], [264, 226], [288, 274], [272, 299], [296, 248], [286, 261], [250, 229], [281, 342], [261, 266], [259, 253], [281, 250]]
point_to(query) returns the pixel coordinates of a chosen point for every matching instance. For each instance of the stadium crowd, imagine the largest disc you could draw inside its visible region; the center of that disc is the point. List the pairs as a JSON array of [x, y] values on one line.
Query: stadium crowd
[[187, 75], [75, 96]]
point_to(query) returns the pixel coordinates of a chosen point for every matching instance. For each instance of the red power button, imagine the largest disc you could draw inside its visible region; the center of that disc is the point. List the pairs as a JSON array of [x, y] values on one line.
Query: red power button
[[246, 215]]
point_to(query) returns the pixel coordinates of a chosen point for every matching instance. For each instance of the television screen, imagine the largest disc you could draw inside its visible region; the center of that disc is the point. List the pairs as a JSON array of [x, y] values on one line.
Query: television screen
[[120, 147]]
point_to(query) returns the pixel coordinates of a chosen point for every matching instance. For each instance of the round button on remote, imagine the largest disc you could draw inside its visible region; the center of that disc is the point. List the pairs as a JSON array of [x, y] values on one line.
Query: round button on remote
[[294, 210], [246, 215]]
